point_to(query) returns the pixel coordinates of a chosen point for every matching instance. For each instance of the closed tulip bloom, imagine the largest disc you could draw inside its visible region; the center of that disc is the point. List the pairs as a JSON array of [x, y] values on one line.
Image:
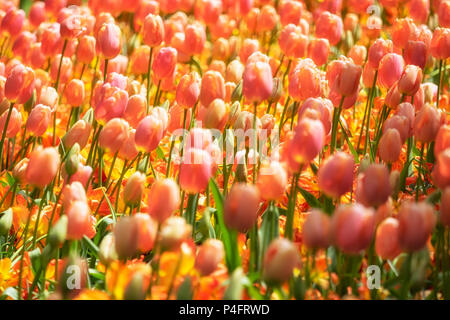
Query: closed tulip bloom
[[390, 146], [209, 256], [188, 90], [134, 188], [440, 43], [13, 21], [126, 234], [329, 26], [164, 63], [74, 92], [343, 77], [195, 38], [129, 150], [393, 97], [39, 119], [109, 102], [416, 53], [109, 41], [174, 232], [65, 72], [37, 58], [358, 54], [135, 109], [113, 135], [378, 50], [290, 12], [335, 176], [149, 132], [406, 110], [305, 81], [14, 124], [164, 199], [22, 44], [79, 220], [399, 123], [195, 170], [73, 192], [323, 108], [352, 228], [444, 14], [216, 115], [241, 207], [442, 139], [82, 175], [249, 46], [293, 42], [373, 187], [308, 140], [267, 19], [48, 96], [153, 30], [390, 69], [316, 230], [20, 169], [257, 81], [419, 10], [212, 87], [318, 51], [72, 26], [146, 232], [43, 166], [139, 60], [51, 40], [410, 80], [387, 239], [416, 222], [107, 250], [86, 49], [280, 260], [427, 123], [272, 180], [78, 133], [403, 30], [445, 207], [36, 15], [19, 84]]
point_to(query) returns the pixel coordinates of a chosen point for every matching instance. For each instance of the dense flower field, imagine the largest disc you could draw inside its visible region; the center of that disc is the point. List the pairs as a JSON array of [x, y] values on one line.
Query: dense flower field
[[224, 149]]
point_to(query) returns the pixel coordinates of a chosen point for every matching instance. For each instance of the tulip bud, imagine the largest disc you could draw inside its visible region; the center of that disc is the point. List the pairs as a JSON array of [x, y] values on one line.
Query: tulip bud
[[6, 221], [19, 171], [86, 49], [377, 51], [107, 250], [241, 207], [173, 232], [386, 239], [308, 140], [57, 234], [209, 255], [72, 160], [416, 222], [134, 188], [329, 26], [316, 230], [352, 228], [318, 51], [442, 140], [74, 92], [280, 260], [212, 87], [79, 133], [335, 176], [216, 115]]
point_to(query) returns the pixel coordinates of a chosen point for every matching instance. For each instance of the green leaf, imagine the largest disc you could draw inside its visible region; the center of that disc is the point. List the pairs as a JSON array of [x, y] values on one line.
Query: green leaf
[[310, 198], [185, 290], [349, 143], [160, 154], [91, 245]]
